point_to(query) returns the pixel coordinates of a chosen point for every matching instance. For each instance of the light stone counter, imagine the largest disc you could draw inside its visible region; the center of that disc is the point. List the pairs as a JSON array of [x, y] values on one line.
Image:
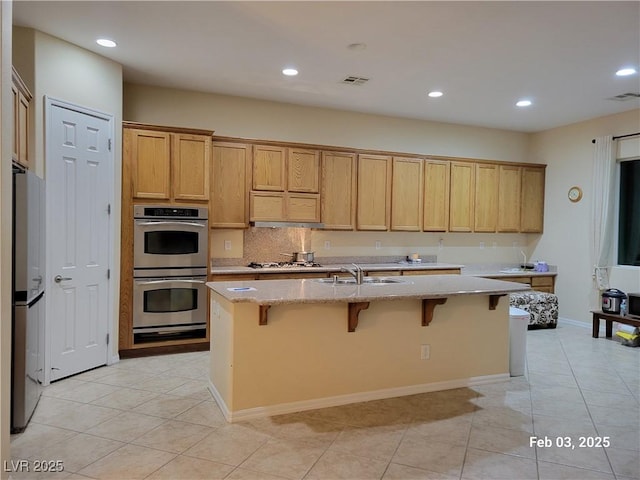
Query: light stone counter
[[279, 292]]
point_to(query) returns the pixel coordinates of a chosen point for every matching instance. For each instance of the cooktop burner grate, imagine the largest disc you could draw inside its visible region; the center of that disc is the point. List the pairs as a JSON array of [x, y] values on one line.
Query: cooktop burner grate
[[283, 264]]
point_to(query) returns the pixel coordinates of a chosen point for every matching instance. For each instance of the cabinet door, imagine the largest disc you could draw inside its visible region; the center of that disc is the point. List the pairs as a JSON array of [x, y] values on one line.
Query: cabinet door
[[191, 163], [374, 188], [15, 137], [229, 206], [509, 198], [486, 198], [461, 197], [338, 197], [303, 170], [532, 204], [406, 194], [303, 207], [267, 207], [150, 158], [269, 166], [437, 177]]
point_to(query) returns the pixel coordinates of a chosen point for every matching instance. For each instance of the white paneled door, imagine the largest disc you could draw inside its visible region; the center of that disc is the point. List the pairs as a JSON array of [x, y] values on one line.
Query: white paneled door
[[79, 182]]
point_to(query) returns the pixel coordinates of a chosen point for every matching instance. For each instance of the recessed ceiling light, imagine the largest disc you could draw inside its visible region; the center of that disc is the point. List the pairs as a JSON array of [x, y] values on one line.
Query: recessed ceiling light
[[523, 103], [290, 72], [435, 94], [105, 42], [623, 72]]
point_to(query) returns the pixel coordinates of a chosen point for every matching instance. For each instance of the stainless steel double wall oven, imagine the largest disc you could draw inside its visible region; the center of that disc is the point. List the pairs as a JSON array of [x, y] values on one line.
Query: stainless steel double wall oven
[[170, 258]]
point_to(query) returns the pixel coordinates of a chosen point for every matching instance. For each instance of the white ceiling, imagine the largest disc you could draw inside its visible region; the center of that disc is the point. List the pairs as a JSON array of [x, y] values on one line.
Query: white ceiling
[[483, 55]]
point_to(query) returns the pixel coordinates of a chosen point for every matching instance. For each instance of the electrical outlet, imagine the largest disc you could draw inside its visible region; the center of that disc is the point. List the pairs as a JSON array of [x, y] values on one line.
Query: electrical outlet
[[481, 245], [227, 244], [440, 244], [378, 245], [425, 351], [327, 245]]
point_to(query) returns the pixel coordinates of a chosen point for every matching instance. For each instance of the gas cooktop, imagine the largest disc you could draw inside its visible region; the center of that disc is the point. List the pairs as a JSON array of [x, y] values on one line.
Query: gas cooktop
[[283, 264]]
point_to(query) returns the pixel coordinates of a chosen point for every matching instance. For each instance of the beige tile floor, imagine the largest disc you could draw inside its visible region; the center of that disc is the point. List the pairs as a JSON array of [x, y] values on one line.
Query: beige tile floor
[[154, 418]]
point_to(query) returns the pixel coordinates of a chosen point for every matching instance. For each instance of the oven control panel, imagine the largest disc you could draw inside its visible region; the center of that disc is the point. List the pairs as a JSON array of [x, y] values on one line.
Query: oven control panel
[[163, 211]]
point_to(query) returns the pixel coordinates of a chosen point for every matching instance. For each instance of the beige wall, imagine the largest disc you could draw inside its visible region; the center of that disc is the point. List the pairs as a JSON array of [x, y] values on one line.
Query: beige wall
[[6, 116], [249, 118], [568, 153], [55, 68]]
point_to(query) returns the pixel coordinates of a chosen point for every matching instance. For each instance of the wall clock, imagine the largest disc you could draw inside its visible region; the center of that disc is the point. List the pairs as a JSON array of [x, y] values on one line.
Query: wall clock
[[575, 194]]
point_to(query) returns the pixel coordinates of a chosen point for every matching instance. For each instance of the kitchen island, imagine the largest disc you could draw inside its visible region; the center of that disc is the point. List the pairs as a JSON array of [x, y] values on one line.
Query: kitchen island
[[280, 346]]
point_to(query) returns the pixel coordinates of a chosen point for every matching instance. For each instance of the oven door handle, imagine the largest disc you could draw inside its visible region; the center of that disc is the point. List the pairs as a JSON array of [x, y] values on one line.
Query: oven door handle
[[169, 280], [152, 224]]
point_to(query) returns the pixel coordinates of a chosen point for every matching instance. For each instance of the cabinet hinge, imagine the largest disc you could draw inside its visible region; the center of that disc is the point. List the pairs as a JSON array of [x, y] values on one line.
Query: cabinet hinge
[[109, 144], [107, 339]]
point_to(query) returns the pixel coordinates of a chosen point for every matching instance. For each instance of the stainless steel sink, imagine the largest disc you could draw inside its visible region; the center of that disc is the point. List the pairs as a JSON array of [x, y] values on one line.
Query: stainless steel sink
[[365, 281]]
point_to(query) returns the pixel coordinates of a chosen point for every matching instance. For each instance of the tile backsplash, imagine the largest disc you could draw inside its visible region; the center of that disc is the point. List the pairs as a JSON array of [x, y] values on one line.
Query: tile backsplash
[[266, 244]]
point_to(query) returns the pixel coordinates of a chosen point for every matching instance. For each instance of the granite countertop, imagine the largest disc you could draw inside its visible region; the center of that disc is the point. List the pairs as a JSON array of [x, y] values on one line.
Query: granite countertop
[[504, 271], [274, 292], [367, 267]]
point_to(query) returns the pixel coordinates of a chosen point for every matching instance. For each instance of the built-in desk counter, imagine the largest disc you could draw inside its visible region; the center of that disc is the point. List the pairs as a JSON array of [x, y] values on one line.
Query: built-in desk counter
[[288, 345]]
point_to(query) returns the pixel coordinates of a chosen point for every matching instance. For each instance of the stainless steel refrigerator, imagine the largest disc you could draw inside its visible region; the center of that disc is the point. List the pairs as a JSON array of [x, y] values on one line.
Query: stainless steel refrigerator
[[28, 296]]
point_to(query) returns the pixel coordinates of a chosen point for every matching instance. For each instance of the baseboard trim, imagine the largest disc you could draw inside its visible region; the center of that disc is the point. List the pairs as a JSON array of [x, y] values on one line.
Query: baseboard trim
[[303, 405]]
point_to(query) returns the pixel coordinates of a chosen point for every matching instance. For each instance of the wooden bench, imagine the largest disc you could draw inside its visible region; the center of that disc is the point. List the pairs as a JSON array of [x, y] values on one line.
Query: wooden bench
[[609, 318]]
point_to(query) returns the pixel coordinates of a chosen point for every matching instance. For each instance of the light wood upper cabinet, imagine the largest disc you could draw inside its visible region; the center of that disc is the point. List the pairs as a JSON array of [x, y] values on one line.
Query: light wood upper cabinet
[[269, 168], [509, 198], [167, 166], [486, 198], [20, 141], [532, 203], [191, 163], [437, 177], [302, 207], [374, 190], [303, 170], [230, 172], [406, 194], [150, 155], [338, 190], [268, 207], [461, 197]]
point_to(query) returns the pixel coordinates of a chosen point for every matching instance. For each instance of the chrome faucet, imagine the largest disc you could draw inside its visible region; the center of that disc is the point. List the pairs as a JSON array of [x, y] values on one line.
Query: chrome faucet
[[356, 272], [524, 265]]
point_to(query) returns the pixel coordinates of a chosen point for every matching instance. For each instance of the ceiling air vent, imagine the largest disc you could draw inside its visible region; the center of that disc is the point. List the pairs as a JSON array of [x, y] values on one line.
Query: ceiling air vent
[[625, 96], [353, 80]]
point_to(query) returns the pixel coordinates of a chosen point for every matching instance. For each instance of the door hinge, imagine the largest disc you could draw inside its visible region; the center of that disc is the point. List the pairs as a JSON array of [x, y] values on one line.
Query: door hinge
[[107, 339], [108, 273], [108, 209], [109, 144]]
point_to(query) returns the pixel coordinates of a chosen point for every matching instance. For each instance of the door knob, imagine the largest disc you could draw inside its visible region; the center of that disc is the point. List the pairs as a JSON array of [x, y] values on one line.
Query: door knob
[[60, 278]]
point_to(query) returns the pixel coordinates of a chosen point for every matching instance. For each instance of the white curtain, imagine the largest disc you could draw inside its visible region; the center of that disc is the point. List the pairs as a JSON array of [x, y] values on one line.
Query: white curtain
[[602, 209]]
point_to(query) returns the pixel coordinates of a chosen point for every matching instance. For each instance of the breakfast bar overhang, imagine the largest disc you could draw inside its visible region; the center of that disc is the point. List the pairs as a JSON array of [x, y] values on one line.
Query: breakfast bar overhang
[[280, 346]]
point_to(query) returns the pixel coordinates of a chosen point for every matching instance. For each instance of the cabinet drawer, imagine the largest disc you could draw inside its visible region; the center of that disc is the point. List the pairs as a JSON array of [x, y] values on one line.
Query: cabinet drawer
[[232, 277], [449, 271], [541, 281], [526, 280]]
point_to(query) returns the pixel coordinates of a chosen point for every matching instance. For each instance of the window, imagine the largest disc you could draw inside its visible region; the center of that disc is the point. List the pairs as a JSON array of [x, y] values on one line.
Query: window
[[629, 214]]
